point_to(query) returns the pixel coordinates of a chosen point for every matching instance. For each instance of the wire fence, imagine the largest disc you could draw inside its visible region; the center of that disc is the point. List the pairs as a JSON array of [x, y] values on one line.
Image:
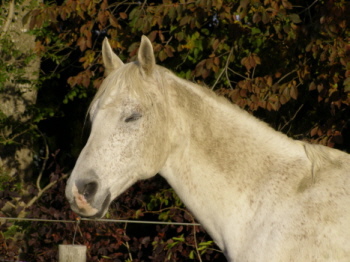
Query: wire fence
[[100, 220], [5, 219]]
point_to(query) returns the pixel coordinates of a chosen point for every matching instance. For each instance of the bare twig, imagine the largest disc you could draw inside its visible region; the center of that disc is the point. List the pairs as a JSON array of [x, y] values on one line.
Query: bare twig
[[76, 229], [253, 74], [290, 120], [238, 74], [227, 68], [224, 70], [286, 75], [9, 18], [196, 244], [144, 4], [309, 7], [167, 42], [217, 79], [12, 138], [117, 4], [126, 244], [183, 61]]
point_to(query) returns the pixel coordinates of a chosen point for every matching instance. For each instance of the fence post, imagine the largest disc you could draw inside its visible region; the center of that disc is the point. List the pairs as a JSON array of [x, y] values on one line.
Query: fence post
[[72, 253]]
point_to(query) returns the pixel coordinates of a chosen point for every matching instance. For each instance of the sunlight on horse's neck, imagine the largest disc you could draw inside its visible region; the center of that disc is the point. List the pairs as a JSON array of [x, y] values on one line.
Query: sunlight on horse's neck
[[217, 125]]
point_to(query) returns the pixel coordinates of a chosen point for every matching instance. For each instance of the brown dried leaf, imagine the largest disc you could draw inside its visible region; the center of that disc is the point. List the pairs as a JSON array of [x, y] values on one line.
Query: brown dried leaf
[[269, 81], [243, 92], [82, 43], [123, 15], [286, 4], [114, 21], [256, 18], [294, 92], [314, 131], [247, 62], [209, 63], [312, 86], [283, 99], [169, 50], [216, 60], [205, 73]]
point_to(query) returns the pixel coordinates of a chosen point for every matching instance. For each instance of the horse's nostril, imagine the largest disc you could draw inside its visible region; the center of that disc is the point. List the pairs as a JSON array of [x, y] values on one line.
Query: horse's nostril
[[90, 190], [87, 189]]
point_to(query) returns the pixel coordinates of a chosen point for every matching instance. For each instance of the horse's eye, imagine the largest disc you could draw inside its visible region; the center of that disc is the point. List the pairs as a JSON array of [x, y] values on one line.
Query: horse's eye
[[133, 117]]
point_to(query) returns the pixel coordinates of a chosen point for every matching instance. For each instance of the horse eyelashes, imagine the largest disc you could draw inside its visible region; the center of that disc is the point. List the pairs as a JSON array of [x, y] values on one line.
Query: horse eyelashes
[[133, 117]]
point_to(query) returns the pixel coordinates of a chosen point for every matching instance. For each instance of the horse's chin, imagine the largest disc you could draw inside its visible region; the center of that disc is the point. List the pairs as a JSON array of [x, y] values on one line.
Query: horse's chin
[[104, 208], [99, 214]]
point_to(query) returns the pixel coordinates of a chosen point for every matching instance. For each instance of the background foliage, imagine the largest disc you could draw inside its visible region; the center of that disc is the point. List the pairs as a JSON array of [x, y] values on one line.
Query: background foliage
[[287, 62]]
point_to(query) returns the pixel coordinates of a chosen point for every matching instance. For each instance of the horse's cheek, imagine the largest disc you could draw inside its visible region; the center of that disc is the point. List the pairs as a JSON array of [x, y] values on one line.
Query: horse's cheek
[[152, 149]]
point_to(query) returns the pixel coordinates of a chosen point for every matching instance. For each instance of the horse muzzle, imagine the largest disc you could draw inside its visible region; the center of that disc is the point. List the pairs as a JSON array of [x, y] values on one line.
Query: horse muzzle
[[84, 198]]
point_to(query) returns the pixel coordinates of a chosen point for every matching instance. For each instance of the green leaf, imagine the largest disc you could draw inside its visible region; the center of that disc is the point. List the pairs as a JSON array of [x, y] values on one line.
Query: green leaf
[[191, 255], [255, 31], [347, 84], [11, 231], [164, 216], [295, 18], [179, 239], [207, 243]]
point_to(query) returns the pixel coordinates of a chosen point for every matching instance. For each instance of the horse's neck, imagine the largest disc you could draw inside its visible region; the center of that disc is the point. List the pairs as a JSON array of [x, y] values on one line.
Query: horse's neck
[[213, 130], [220, 155]]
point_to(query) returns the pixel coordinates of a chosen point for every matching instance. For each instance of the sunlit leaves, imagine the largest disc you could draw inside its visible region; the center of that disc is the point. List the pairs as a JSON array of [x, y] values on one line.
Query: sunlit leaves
[[265, 38], [262, 92]]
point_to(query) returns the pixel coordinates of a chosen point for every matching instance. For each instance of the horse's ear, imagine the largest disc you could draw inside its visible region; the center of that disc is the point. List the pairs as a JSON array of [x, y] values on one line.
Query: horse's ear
[[145, 55], [110, 60]]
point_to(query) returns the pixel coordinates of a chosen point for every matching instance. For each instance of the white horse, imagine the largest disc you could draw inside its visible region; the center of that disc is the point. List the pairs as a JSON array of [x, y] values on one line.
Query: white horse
[[260, 195]]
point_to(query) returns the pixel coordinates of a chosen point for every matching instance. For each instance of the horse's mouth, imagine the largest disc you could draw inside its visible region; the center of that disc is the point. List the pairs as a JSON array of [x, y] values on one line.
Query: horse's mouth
[[85, 209]]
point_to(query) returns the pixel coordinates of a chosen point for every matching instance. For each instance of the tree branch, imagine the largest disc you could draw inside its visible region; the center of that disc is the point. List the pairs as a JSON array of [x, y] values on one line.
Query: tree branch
[[40, 193], [44, 164]]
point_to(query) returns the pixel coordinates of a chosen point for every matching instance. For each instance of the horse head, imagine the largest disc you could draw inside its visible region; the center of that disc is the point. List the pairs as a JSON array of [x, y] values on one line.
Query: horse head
[[128, 140]]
